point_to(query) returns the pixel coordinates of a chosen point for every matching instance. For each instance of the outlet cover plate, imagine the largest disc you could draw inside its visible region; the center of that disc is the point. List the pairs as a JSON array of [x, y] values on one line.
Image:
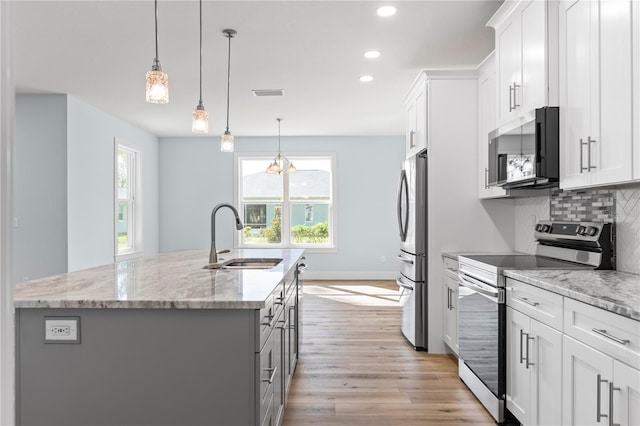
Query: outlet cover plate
[[62, 329]]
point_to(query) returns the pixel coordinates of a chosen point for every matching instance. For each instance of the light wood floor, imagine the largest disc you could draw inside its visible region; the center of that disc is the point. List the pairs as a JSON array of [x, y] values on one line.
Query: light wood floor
[[355, 367]]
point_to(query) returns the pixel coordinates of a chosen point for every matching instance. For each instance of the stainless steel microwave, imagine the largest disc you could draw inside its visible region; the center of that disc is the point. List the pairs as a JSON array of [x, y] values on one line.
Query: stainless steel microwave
[[525, 153]]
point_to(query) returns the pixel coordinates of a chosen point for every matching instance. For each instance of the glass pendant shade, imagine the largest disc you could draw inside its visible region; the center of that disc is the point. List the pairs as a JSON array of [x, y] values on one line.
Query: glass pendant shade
[[226, 142], [291, 168], [274, 167], [157, 86], [200, 122]]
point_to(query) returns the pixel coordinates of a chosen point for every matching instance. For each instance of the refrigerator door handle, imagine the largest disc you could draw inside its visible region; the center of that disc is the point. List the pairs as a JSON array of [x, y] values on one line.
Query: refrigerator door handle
[[403, 222], [404, 259]]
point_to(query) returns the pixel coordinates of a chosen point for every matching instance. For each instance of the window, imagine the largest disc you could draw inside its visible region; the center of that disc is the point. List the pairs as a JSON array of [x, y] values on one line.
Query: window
[[126, 207], [288, 209]]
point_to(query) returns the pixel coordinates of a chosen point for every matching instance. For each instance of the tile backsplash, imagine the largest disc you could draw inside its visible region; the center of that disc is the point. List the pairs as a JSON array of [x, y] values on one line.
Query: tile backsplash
[[619, 206]]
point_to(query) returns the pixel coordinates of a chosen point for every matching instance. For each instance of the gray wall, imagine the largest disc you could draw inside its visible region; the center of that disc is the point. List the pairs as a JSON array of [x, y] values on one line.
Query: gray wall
[[90, 153], [64, 192], [40, 187], [195, 176]]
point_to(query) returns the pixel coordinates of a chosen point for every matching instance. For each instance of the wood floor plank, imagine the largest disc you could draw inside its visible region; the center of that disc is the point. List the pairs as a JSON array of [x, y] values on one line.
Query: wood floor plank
[[356, 368]]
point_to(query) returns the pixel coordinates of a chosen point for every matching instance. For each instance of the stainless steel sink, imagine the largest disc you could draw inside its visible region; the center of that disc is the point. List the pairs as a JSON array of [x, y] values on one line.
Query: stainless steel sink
[[246, 263]]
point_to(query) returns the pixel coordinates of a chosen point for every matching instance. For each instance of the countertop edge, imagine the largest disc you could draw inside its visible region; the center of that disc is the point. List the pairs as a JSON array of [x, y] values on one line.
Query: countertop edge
[[598, 302]]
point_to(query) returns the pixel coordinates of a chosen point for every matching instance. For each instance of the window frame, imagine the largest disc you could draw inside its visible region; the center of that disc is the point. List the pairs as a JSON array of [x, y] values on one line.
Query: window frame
[[287, 204], [134, 203]]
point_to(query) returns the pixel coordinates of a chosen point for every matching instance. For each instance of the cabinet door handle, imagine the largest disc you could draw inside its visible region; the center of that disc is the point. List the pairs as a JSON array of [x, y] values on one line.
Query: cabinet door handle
[[599, 414], [511, 89], [527, 301], [448, 299], [273, 374], [589, 142], [527, 364], [611, 389], [610, 337], [582, 169], [522, 333], [515, 102], [486, 178]]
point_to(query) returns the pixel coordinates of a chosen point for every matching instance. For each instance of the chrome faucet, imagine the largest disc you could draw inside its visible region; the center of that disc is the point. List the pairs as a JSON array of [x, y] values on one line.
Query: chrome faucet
[[213, 255]]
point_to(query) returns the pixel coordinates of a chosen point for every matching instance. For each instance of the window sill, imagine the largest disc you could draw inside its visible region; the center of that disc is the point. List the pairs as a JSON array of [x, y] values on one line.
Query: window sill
[[128, 256], [308, 249]]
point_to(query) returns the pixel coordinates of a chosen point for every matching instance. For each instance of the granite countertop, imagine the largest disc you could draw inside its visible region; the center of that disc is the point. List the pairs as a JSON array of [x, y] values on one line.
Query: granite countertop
[[173, 280], [456, 254], [614, 291]]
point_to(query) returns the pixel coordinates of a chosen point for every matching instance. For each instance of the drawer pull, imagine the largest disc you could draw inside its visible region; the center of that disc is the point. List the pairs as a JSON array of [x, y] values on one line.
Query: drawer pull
[[610, 337], [527, 301], [273, 374]]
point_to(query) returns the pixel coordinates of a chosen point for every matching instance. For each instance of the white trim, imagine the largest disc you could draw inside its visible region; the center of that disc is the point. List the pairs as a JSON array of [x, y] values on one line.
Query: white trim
[[7, 105], [349, 275], [136, 209]]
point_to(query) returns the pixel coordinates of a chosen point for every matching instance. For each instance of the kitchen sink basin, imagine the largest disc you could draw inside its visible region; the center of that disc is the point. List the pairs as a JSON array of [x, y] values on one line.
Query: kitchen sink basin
[[246, 263]]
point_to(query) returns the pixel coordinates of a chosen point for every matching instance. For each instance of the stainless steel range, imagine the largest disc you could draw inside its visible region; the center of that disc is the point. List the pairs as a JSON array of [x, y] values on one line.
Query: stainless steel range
[[482, 308]]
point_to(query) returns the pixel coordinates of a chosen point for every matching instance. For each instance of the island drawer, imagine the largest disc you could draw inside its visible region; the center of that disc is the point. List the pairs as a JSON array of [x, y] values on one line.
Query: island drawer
[[613, 334], [266, 375], [266, 319], [535, 302]]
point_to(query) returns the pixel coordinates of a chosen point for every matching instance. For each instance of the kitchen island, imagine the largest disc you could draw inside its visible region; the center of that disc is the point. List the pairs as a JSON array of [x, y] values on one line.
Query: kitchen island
[[159, 340]]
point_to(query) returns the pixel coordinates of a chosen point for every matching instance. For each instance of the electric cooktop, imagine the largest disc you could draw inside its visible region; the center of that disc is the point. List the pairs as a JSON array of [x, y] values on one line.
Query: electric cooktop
[[521, 261]]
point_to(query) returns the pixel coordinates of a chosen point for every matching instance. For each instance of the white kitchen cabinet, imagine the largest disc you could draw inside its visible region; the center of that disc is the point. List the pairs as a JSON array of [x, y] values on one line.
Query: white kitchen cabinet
[[526, 61], [416, 117], [596, 103], [534, 359], [486, 124], [626, 396], [451, 313]]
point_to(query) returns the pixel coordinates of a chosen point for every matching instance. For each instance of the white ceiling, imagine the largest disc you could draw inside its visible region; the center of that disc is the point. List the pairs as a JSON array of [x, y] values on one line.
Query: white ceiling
[[99, 52]]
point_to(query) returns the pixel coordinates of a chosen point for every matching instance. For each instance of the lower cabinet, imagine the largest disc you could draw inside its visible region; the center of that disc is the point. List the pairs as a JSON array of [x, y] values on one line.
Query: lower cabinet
[[534, 359], [451, 313], [597, 387]]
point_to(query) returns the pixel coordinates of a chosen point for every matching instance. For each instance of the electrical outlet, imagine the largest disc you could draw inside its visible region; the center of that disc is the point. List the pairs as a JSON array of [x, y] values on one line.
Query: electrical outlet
[[62, 330]]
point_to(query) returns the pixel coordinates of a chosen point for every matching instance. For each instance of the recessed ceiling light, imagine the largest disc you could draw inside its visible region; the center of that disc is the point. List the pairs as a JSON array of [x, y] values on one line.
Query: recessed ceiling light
[[366, 78], [371, 54], [386, 11]]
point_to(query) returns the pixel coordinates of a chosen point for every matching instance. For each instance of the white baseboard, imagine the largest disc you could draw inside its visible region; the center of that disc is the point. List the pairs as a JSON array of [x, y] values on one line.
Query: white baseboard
[[349, 275]]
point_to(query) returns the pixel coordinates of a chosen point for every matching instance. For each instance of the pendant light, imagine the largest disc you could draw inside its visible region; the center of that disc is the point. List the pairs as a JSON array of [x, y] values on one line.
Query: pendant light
[[226, 143], [157, 81], [200, 122], [280, 160]]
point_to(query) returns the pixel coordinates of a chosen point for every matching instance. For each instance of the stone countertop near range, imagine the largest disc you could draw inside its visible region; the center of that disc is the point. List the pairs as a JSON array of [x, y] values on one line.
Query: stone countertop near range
[[456, 254], [173, 280], [614, 291]]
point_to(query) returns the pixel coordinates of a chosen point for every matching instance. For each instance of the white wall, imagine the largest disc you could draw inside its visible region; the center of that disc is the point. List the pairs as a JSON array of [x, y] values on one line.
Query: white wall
[[90, 174], [39, 187], [6, 287], [195, 176]]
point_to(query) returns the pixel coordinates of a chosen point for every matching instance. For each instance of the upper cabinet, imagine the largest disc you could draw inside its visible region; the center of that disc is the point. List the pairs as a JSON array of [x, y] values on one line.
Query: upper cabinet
[[526, 62], [486, 124], [598, 92], [416, 117]]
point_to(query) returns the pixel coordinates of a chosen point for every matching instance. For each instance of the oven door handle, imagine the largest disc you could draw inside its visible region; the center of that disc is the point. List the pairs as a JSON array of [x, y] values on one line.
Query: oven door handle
[[402, 284], [465, 281], [470, 274]]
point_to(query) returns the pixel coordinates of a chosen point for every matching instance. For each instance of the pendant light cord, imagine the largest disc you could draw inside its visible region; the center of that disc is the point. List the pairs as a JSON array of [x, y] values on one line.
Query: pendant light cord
[[200, 52], [229, 35], [155, 3], [279, 120]]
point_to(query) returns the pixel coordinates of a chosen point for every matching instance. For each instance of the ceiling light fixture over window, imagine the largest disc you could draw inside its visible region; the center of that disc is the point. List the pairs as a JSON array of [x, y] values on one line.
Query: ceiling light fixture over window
[[200, 122], [226, 144], [157, 81], [371, 54], [366, 78], [279, 161], [386, 11]]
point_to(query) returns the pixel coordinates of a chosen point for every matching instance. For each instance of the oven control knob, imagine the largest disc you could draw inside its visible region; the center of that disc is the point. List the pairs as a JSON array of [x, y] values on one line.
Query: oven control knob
[[538, 227], [582, 230], [592, 231], [546, 228]]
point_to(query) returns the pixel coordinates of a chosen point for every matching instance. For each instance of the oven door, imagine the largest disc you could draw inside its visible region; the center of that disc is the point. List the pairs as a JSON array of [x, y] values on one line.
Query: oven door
[[479, 330]]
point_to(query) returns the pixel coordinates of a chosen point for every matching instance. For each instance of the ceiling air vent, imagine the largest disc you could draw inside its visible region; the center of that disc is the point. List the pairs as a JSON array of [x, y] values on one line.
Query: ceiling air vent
[[268, 92]]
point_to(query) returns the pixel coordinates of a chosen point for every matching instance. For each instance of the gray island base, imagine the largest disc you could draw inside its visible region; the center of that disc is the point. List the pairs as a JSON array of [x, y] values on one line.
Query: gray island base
[[229, 365]]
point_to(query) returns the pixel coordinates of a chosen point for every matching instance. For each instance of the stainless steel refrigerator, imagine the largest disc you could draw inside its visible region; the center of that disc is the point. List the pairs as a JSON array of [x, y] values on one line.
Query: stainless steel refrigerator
[[412, 223]]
